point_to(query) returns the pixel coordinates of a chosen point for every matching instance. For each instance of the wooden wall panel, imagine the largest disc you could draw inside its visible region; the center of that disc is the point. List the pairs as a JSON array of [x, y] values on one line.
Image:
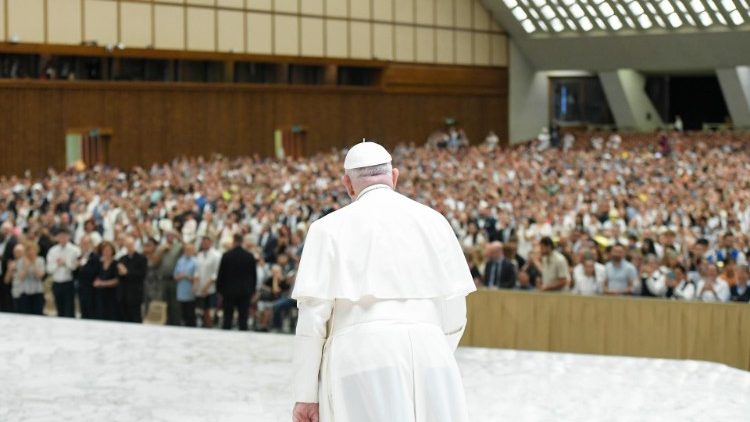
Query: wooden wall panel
[[156, 122]]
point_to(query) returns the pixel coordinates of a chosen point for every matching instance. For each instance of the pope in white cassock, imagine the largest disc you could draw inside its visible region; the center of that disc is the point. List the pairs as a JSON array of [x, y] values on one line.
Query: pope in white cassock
[[381, 293]]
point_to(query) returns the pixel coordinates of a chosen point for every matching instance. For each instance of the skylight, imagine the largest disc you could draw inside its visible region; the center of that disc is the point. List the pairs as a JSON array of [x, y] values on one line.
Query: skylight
[[555, 16]]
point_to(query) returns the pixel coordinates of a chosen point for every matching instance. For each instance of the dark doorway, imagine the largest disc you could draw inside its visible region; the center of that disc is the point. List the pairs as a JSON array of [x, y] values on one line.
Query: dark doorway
[[697, 99]]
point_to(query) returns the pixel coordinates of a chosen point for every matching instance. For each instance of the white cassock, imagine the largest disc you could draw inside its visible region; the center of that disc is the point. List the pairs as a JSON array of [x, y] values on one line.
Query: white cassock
[[381, 293]]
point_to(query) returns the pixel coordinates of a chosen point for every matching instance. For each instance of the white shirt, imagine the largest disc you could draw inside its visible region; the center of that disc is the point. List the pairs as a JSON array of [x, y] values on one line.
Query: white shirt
[[657, 284], [720, 293], [207, 268], [189, 230], [63, 271], [586, 284], [685, 291]]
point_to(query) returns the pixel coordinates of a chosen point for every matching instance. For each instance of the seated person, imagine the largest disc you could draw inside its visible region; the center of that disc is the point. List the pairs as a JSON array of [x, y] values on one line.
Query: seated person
[[274, 288]]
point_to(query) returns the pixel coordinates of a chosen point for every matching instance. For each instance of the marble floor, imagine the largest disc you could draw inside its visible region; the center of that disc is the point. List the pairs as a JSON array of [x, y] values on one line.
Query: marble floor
[[65, 370]]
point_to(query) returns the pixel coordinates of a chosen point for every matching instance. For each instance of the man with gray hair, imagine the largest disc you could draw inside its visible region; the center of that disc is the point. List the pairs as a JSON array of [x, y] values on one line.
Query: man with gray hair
[[381, 293]]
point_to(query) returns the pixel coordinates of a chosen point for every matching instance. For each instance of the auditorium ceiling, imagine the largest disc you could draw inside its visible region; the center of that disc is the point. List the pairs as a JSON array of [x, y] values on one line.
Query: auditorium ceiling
[[616, 16]]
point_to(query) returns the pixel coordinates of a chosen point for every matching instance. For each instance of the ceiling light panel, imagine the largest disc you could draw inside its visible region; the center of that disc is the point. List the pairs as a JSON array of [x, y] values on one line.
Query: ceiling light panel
[[584, 16]]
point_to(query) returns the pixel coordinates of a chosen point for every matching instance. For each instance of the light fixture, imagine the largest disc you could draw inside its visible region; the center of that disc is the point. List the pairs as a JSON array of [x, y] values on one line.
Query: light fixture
[[557, 25], [577, 11], [614, 22], [528, 26], [697, 6], [510, 4], [586, 24], [519, 13], [645, 22], [675, 20], [705, 18], [728, 5], [736, 17]]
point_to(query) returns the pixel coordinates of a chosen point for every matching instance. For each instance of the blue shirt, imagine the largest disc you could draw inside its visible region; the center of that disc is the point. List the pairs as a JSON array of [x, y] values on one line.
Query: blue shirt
[[619, 277], [186, 266]]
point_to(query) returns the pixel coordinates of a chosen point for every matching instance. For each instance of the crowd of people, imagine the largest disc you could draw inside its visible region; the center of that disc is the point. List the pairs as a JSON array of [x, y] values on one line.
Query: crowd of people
[[668, 216]]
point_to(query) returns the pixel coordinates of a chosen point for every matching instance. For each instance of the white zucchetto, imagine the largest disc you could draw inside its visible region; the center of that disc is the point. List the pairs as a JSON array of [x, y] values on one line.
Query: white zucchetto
[[366, 154]]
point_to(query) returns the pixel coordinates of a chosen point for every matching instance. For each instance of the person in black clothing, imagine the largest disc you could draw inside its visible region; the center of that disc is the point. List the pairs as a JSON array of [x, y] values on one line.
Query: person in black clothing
[[105, 284], [88, 269], [236, 283], [9, 241], [132, 272], [500, 272], [740, 292]]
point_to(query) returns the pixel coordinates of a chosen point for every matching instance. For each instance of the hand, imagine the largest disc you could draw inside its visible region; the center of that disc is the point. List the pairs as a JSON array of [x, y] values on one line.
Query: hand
[[305, 412], [60, 261], [97, 283], [122, 269]]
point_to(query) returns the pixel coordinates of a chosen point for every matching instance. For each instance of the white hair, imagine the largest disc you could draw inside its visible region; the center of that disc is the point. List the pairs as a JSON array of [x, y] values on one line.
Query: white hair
[[363, 172]]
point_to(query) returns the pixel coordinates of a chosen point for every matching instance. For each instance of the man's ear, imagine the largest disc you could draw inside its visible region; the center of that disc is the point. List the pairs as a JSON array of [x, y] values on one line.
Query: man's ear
[[395, 177], [347, 181]]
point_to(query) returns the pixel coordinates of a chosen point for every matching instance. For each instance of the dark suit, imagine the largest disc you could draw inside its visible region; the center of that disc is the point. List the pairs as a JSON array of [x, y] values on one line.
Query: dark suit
[[737, 297], [130, 289], [488, 224], [269, 243], [86, 274], [236, 282], [6, 300], [500, 274]]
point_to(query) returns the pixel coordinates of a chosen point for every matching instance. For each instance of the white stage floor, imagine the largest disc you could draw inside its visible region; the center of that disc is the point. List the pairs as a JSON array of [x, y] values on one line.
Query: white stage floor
[[64, 370]]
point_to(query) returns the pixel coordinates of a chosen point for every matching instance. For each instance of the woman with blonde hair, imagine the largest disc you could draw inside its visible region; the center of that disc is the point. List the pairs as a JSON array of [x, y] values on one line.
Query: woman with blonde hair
[[26, 273]]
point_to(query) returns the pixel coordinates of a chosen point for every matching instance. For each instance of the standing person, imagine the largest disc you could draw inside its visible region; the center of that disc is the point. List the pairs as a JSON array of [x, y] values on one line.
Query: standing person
[[105, 283], [184, 275], [712, 288], [131, 270], [170, 252], [554, 267], [8, 242], [205, 288], [236, 282], [588, 277], [685, 289], [25, 274], [740, 292], [622, 276], [89, 266], [382, 284], [62, 260], [152, 284]]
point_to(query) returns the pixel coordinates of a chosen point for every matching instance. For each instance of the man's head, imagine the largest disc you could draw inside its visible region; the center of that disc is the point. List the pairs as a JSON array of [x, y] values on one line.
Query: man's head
[[63, 236], [493, 250], [150, 246], [546, 245], [617, 253], [189, 249], [129, 243], [589, 267], [727, 241], [237, 240], [6, 229], [206, 243], [86, 244], [742, 274], [367, 164]]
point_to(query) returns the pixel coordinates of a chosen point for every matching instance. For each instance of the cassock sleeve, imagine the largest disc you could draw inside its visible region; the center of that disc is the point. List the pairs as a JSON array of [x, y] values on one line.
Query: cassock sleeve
[[454, 319], [312, 324], [314, 277]]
